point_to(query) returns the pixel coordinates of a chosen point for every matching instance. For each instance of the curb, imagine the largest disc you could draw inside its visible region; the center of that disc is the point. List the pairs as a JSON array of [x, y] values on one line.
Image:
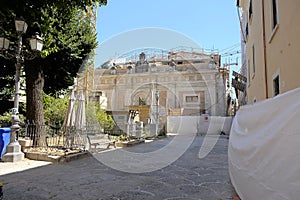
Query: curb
[[55, 159], [129, 144]]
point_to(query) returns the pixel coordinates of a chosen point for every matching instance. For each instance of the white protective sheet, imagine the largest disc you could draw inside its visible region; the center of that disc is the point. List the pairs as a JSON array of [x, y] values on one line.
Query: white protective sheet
[[264, 149]]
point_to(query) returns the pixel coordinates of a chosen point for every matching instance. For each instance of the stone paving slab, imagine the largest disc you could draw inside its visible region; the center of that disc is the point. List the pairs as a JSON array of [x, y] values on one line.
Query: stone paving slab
[[25, 164], [187, 178]]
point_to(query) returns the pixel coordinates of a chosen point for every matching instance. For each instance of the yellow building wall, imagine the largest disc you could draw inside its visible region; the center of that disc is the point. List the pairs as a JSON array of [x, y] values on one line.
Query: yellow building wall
[[282, 48], [255, 78]]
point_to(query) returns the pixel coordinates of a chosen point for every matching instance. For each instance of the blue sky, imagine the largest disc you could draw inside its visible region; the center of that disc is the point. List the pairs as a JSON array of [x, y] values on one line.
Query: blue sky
[[203, 23]]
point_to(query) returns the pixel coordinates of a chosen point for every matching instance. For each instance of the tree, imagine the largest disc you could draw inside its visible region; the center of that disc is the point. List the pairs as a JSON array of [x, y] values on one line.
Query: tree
[[55, 108], [67, 41], [96, 115], [106, 121], [6, 78]]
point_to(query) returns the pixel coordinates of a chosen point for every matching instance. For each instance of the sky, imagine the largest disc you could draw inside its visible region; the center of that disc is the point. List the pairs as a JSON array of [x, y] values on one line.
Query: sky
[[123, 25]]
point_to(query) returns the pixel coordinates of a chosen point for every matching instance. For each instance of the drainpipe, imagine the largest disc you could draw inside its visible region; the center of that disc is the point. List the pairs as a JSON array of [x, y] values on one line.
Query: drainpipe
[[265, 49]]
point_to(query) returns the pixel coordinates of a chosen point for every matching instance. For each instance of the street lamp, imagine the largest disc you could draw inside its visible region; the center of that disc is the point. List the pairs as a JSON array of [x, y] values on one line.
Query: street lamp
[[4, 43], [13, 150], [36, 43], [21, 26]]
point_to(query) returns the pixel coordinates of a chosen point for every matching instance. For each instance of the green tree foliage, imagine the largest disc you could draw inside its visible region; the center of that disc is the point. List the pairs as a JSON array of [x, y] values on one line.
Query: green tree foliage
[[106, 121], [67, 34], [5, 119], [68, 52], [55, 108], [6, 79], [91, 111], [96, 115], [68, 39]]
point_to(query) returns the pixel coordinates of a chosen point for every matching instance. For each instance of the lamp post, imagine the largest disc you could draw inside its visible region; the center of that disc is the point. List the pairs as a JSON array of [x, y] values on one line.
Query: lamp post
[[13, 150], [157, 112]]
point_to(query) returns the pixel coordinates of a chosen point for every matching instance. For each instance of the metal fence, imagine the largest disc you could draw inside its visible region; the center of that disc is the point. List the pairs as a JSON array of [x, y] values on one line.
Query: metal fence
[[42, 135], [57, 136], [52, 136]]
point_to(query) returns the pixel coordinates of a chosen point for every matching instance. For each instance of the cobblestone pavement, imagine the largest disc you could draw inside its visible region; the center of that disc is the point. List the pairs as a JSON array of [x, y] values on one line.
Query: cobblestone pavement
[[187, 178]]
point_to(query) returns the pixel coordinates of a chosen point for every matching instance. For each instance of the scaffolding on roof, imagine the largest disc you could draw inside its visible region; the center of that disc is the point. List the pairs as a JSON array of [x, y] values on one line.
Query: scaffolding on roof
[[161, 55]]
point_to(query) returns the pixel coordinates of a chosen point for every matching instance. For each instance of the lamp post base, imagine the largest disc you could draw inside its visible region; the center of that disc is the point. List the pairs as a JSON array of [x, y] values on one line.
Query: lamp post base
[[13, 153]]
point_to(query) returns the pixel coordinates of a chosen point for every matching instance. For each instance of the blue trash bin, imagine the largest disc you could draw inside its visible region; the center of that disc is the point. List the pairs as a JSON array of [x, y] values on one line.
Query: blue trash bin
[[4, 140]]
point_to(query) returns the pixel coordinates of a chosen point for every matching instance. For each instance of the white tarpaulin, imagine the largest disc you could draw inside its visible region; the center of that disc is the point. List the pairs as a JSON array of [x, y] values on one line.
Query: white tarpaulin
[[264, 149], [69, 120], [80, 119], [75, 121]]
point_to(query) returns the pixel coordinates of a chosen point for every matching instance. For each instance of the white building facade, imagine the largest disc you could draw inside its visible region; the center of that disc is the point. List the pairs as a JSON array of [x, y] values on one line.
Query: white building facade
[[175, 83]]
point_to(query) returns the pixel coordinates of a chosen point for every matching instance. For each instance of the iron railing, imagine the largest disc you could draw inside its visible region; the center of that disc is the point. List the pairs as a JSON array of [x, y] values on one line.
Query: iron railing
[[57, 136]]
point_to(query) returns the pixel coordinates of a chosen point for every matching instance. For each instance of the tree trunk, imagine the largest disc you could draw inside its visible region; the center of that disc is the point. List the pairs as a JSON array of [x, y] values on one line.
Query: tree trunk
[[34, 98]]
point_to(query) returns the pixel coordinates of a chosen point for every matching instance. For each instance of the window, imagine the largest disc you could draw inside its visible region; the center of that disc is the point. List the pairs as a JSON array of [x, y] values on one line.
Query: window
[[247, 31], [276, 85], [191, 99], [274, 13], [250, 10], [253, 60]]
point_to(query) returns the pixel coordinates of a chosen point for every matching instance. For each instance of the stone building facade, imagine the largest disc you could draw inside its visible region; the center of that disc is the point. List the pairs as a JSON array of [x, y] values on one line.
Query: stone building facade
[[175, 83]]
